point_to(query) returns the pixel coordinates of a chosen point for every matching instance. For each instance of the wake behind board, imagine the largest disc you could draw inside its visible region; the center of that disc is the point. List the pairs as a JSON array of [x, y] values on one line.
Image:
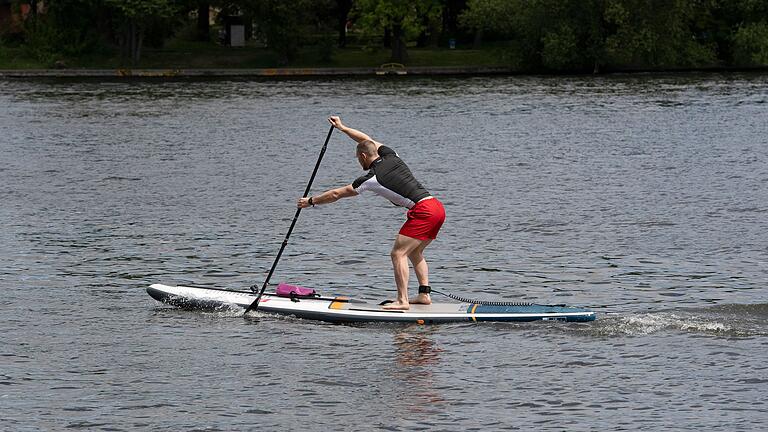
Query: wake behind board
[[343, 309]]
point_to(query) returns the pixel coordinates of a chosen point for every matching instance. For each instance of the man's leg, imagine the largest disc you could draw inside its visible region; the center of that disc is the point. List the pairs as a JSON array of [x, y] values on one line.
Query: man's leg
[[422, 271], [403, 247]]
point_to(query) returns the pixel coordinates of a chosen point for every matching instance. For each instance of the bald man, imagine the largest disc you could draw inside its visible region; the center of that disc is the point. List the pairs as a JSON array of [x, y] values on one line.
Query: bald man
[[388, 176]]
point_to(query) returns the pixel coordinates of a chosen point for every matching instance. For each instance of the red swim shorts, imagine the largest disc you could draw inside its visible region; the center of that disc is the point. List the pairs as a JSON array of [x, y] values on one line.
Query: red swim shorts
[[424, 220]]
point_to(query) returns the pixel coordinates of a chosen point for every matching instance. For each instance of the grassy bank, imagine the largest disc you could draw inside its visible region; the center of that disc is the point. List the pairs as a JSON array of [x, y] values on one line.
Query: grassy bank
[[198, 55]]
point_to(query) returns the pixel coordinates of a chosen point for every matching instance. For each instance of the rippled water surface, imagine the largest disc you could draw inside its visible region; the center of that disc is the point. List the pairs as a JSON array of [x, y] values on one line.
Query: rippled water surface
[[643, 197]]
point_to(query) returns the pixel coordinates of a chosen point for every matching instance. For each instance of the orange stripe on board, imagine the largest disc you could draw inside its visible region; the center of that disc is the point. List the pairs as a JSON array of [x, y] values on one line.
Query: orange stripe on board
[[336, 305], [473, 313]]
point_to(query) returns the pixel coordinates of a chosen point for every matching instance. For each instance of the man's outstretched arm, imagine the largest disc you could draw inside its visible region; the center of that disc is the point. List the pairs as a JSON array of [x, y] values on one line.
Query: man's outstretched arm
[[327, 197], [355, 134]]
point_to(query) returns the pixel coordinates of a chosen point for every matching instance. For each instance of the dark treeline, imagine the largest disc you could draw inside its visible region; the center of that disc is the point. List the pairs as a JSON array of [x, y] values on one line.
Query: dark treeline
[[533, 35]]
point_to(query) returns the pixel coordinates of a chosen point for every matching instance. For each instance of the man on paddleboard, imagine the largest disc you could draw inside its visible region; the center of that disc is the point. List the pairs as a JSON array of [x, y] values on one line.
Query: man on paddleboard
[[389, 177]]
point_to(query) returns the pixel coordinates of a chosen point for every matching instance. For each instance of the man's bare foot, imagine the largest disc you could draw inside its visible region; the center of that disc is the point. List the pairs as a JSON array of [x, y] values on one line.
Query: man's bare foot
[[396, 306], [421, 299]]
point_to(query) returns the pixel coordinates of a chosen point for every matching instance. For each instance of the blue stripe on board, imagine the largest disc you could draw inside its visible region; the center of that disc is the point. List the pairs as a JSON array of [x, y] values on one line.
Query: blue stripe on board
[[536, 309]]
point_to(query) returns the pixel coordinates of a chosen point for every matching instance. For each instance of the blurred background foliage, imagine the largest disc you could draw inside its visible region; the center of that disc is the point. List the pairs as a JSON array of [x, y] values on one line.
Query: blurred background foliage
[[527, 35]]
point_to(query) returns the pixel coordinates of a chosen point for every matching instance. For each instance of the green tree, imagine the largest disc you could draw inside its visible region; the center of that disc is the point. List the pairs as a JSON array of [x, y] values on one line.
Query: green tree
[[548, 34], [287, 25], [751, 44], [64, 30], [656, 33], [569, 35], [134, 17], [739, 30], [482, 16], [402, 19]]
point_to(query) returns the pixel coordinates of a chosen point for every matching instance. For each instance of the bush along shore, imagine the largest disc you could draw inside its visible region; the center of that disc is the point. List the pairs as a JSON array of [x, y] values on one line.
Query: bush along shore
[[351, 37]]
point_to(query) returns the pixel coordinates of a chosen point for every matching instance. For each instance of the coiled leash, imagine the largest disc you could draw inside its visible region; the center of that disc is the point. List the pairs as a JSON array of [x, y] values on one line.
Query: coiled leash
[[426, 289], [475, 301]]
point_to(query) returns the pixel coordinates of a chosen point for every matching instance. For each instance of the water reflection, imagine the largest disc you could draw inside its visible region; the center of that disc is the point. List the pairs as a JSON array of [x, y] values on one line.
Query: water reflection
[[417, 356], [416, 348]]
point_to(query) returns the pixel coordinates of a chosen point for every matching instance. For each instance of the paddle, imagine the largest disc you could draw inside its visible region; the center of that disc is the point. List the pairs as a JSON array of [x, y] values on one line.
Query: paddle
[[255, 304]]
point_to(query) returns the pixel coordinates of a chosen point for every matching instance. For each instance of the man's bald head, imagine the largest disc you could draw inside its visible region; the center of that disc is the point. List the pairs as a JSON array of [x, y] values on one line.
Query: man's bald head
[[367, 148], [366, 153]]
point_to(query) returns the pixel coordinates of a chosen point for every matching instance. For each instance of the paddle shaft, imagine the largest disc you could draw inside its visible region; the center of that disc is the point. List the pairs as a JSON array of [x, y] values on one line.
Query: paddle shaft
[[255, 304]]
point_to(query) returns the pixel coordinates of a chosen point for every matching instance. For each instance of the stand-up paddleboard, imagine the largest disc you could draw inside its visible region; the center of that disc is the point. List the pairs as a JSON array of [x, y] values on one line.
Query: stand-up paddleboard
[[344, 309]]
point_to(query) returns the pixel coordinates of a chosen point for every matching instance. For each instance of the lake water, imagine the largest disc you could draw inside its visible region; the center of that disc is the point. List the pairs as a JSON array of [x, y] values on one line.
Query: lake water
[[643, 197]]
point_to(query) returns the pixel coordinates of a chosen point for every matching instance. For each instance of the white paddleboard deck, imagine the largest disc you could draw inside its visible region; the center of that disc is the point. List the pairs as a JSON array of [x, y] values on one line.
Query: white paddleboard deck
[[344, 309]]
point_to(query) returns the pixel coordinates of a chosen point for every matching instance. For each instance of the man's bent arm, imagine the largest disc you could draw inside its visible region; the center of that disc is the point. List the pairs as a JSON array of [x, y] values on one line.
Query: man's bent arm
[[328, 196]]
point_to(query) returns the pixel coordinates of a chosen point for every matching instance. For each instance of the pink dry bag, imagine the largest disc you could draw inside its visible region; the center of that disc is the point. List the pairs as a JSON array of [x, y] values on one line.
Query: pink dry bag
[[293, 291]]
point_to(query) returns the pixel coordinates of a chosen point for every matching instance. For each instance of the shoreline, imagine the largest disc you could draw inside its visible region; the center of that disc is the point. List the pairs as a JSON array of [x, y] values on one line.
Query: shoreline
[[256, 72], [397, 70]]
